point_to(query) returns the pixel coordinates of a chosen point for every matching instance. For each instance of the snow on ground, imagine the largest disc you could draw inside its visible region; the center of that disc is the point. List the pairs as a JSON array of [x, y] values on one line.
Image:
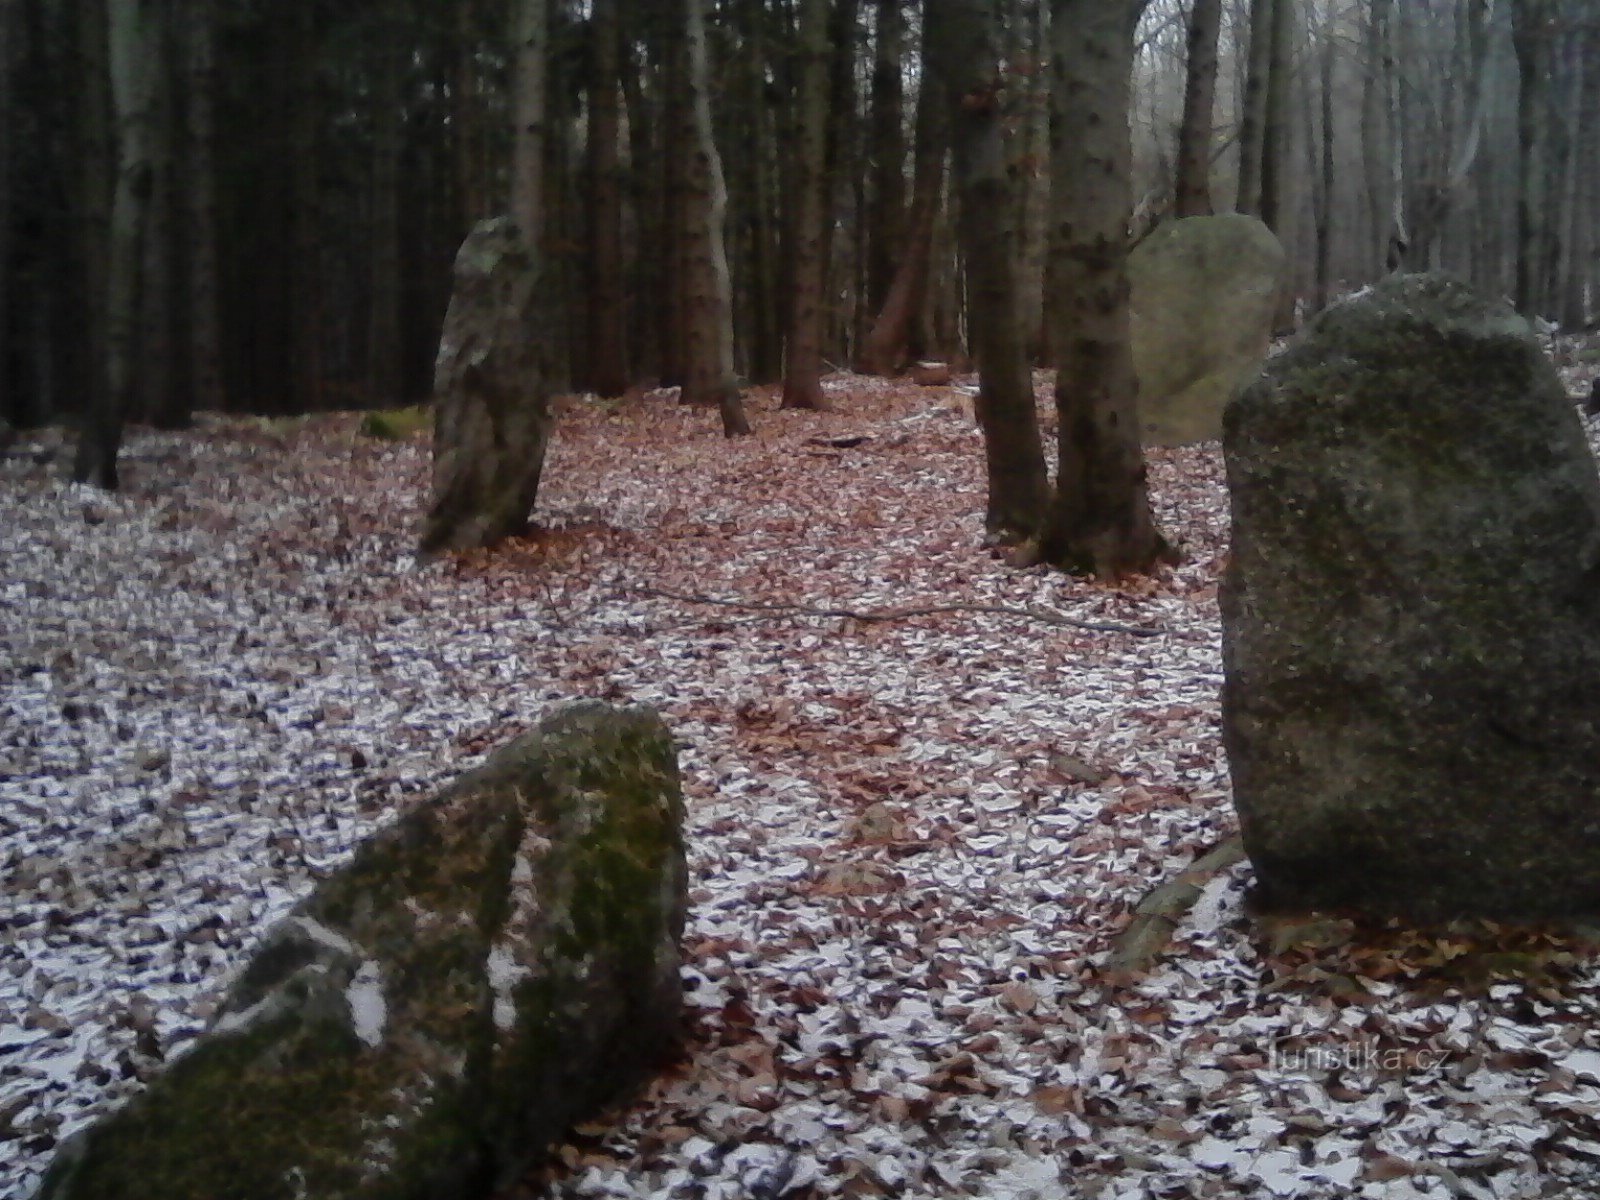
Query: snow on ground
[[213, 685]]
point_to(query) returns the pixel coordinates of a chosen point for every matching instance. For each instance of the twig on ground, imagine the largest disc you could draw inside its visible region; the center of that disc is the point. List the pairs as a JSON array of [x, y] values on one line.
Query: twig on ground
[[876, 615]]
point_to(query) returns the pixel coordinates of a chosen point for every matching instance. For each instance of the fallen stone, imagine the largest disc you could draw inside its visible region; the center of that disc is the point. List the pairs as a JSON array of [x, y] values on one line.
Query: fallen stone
[[1411, 616], [1204, 292], [499, 963]]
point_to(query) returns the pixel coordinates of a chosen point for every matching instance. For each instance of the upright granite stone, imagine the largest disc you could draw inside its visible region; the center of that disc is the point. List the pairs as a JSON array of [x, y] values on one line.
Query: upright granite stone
[[1411, 616], [491, 402], [1204, 291], [499, 963]]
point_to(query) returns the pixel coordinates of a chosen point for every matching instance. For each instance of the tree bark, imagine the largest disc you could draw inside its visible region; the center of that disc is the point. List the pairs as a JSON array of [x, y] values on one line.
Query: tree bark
[[157, 399], [968, 62], [802, 370], [1192, 190], [9, 12], [305, 242], [200, 193], [1375, 128], [531, 41], [131, 26], [709, 375], [1100, 520], [1276, 134]]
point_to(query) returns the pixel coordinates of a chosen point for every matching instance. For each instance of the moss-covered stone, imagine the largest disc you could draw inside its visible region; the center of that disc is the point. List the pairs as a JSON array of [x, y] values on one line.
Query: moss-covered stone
[[1203, 294], [397, 424], [1411, 616], [499, 963]]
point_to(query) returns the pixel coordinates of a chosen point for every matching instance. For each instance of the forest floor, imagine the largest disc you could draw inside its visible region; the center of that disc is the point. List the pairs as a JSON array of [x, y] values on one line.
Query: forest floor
[[913, 842]]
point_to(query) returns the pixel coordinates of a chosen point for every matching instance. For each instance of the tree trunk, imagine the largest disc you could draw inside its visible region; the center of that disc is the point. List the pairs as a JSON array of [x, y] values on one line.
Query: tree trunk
[[608, 347], [131, 26], [1034, 198], [887, 189], [305, 242], [709, 375], [388, 116], [1192, 191], [9, 12], [1253, 129], [531, 40], [466, 118], [1276, 135], [200, 194], [677, 148], [1100, 520], [1375, 128], [1529, 29], [891, 338], [968, 62], [1325, 213], [802, 369], [158, 400], [96, 185]]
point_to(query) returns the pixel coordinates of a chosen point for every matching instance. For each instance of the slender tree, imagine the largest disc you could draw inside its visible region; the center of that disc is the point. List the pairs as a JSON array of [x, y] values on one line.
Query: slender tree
[[1192, 190], [131, 32], [530, 39], [1253, 122], [9, 11], [1100, 520], [802, 371], [1530, 31], [887, 186], [388, 123], [608, 352], [709, 376], [200, 202], [968, 61]]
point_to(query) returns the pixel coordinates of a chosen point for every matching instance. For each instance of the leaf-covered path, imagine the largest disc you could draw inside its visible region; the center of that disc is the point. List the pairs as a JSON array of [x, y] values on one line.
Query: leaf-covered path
[[905, 879]]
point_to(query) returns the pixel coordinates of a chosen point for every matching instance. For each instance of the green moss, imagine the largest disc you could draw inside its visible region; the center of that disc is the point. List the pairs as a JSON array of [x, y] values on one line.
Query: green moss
[[397, 424]]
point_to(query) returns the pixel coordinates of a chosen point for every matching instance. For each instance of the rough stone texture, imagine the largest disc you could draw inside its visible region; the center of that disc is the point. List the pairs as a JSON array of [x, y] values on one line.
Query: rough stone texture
[[1411, 616], [496, 965], [1204, 291], [491, 404]]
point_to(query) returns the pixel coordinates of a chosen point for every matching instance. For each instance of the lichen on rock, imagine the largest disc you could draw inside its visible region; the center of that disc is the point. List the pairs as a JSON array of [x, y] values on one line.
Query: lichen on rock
[[500, 962]]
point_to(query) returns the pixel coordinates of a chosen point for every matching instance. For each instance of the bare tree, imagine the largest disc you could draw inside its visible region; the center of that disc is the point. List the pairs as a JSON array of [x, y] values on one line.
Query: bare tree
[[608, 348], [1100, 522], [802, 373], [1192, 191], [132, 29], [709, 376], [531, 42], [200, 202]]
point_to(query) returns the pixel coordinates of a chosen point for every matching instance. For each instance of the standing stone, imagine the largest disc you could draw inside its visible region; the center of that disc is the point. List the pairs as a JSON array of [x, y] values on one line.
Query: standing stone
[[1411, 616], [499, 963], [1204, 292], [491, 405]]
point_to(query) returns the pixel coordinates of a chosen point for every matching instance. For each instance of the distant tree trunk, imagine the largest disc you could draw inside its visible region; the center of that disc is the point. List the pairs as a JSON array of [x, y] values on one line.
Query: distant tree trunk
[[709, 377], [968, 62], [891, 337], [158, 399], [9, 11], [1253, 129], [200, 194], [1192, 191], [1100, 521], [677, 126], [1034, 194], [531, 41], [802, 369], [95, 186], [1529, 33], [887, 188], [388, 116], [608, 347], [1326, 207], [1276, 134], [466, 118], [765, 353], [131, 37], [1583, 213], [305, 242], [1378, 83]]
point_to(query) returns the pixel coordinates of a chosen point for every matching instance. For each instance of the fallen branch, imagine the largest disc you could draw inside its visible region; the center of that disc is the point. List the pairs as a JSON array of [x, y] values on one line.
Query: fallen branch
[[879, 615]]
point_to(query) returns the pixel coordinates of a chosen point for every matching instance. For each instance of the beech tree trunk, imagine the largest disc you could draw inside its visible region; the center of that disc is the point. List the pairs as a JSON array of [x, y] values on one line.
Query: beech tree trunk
[[608, 347], [1100, 520], [131, 26], [159, 400], [305, 242], [531, 41], [1276, 134], [709, 375], [802, 367], [1192, 190], [968, 62], [1529, 33]]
